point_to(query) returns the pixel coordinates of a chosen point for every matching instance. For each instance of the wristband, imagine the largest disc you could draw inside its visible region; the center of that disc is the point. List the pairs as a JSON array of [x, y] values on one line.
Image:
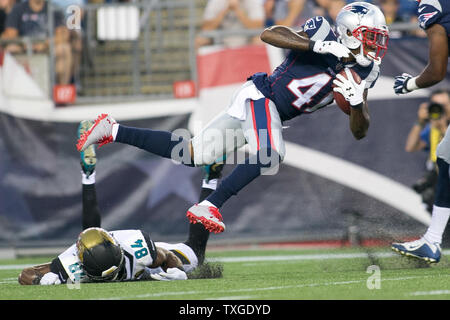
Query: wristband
[[411, 84]]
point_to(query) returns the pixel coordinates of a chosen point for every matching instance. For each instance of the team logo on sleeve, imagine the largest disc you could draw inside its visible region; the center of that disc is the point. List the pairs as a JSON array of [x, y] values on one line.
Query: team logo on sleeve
[[423, 18], [309, 25]]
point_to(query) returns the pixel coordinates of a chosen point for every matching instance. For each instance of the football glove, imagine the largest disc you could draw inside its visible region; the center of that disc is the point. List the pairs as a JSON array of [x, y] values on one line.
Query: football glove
[[169, 275], [333, 47], [352, 91], [50, 278], [400, 84]]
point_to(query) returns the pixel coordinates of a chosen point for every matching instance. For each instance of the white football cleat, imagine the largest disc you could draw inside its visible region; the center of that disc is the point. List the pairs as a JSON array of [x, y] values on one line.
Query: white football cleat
[[421, 249], [209, 216], [100, 133]]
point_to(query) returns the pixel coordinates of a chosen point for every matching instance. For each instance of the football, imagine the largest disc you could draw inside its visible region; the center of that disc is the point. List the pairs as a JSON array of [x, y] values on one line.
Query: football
[[343, 104]]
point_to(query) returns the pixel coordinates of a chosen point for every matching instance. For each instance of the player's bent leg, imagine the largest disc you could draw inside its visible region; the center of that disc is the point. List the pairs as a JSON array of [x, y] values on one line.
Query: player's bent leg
[[162, 143], [198, 234], [262, 131], [90, 212]]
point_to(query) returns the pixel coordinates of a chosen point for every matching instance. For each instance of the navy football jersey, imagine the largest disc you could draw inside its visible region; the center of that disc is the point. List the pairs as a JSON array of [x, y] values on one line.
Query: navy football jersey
[[431, 12], [302, 83]]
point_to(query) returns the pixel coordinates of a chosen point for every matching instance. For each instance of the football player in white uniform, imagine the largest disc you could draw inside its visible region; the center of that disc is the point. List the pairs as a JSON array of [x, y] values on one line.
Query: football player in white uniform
[[120, 255], [434, 18]]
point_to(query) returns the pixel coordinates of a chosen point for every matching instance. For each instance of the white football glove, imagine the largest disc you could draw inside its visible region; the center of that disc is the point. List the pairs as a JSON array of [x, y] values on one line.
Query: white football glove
[[50, 278], [352, 91], [333, 47], [401, 83], [169, 275]]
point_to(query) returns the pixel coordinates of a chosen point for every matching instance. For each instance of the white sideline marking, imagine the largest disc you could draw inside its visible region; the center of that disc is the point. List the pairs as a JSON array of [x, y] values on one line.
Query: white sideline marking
[[15, 266], [310, 285], [325, 256], [318, 256], [232, 298], [430, 293]]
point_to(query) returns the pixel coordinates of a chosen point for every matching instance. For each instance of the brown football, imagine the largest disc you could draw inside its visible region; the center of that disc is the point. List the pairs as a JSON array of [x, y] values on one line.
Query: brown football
[[343, 104]]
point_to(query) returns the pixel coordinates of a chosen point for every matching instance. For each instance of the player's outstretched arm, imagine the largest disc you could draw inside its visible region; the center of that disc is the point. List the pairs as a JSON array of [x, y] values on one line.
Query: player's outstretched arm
[[286, 38], [33, 275], [170, 263], [436, 68]]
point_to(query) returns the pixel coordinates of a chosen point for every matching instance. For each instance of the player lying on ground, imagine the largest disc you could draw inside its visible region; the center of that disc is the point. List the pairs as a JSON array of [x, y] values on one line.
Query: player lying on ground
[[301, 84], [434, 18], [99, 255]]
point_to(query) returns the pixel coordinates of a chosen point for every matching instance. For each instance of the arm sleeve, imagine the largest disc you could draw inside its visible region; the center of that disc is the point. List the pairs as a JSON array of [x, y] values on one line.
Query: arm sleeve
[[318, 28], [429, 15]]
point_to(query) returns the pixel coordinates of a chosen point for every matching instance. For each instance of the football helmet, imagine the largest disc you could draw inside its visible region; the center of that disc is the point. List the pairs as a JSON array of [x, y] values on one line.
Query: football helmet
[[363, 25], [100, 255]]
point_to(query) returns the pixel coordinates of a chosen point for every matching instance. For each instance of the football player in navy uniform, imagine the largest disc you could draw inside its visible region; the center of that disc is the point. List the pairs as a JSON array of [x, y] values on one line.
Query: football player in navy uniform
[[102, 256], [301, 84], [434, 18]]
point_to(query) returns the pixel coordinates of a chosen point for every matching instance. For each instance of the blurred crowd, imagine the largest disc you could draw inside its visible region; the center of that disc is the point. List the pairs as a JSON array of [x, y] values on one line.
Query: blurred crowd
[[256, 14], [21, 19], [28, 19]]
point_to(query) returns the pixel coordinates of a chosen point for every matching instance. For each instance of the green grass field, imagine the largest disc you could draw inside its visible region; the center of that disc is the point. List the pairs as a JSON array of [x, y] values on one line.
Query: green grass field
[[286, 274]]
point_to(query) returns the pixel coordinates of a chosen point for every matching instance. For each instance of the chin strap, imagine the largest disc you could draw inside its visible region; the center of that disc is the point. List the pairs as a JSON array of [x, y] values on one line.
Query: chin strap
[[364, 61]]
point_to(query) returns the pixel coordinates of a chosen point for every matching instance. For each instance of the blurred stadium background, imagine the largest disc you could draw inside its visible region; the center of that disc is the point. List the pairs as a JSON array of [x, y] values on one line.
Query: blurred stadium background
[[138, 61]]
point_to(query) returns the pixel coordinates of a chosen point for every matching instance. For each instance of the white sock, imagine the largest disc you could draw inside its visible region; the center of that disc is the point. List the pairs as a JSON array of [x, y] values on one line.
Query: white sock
[[211, 184], [87, 180], [206, 203], [115, 129], [439, 219]]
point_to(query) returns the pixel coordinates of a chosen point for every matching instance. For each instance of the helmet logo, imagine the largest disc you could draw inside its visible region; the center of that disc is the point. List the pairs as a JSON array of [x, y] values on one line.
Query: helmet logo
[[357, 8]]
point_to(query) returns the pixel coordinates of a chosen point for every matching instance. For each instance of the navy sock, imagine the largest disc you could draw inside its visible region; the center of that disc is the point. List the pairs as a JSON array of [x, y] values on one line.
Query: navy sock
[[161, 143], [243, 174]]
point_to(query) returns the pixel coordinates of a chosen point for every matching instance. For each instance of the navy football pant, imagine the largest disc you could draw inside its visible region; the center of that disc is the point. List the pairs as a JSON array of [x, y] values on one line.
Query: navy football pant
[[442, 196]]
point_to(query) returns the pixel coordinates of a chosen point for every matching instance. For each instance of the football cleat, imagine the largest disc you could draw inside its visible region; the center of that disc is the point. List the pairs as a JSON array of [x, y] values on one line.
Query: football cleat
[[100, 133], [88, 159], [421, 249], [210, 217]]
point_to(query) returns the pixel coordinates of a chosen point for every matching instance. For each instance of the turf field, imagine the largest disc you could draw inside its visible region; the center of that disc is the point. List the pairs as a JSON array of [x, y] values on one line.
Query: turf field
[[285, 274]]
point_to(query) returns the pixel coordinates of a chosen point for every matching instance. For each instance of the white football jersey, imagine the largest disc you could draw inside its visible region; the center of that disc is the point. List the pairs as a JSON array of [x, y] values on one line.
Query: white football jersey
[[139, 253]]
